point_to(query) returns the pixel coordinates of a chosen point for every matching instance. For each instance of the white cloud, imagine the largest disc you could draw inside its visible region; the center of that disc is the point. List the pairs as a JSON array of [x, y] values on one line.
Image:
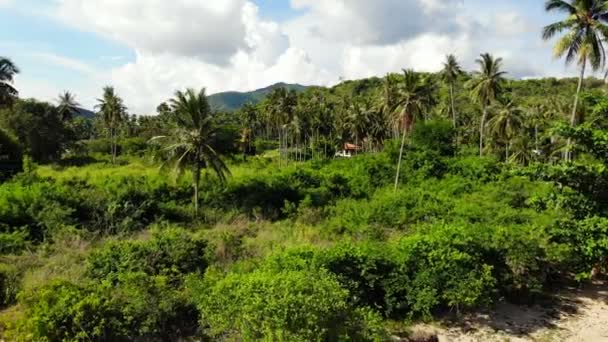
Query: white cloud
[[65, 62], [210, 30], [6, 3], [231, 45]]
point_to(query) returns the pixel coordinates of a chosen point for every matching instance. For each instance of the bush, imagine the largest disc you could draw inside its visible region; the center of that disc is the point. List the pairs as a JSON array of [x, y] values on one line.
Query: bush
[[262, 145], [138, 307], [170, 252], [11, 155], [102, 145], [442, 270], [435, 136], [583, 246], [10, 283], [285, 306]]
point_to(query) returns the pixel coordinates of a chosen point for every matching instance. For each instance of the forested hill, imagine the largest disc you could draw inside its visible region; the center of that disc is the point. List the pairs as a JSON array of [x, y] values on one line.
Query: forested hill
[[233, 100]]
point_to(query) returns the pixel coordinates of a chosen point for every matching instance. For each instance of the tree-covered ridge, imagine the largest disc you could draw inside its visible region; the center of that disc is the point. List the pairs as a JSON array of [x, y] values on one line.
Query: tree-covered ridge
[[233, 100]]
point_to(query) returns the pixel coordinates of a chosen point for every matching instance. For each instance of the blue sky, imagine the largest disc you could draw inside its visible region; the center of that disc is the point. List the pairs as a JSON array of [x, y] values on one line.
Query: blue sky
[[149, 48]]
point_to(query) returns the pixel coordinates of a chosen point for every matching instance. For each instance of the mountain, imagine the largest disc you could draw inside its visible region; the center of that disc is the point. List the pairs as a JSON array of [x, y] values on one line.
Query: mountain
[[233, 100], [85, 113]]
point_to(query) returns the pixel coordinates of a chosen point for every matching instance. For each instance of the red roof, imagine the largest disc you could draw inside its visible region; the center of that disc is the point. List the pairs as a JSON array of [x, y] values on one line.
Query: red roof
[[351, 147]]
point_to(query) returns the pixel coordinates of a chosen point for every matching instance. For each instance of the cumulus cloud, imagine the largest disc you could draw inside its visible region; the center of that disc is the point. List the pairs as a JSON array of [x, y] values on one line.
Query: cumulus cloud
[[232, 45], [210, 30], [367, 22]]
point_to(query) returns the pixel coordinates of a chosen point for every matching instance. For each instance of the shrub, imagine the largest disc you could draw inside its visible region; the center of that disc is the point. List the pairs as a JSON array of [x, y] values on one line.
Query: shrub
[[285, 306], [170, 252], [583, 246], [443, 270], [138, 307], [11, 155], [368, 271], [10, 280], [436, 136]]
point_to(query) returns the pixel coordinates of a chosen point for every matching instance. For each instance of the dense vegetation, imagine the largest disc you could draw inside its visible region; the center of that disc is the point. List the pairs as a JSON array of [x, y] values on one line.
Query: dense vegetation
[[466, 189]]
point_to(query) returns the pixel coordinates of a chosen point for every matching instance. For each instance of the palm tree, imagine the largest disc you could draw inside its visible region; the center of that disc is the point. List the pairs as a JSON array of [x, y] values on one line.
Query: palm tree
[[388, 104], [507, 121], [189, 144], [280, 105], [415, 96], [67, 106], [450, 73], [112, 111], [486, 87], [8, 70], [586, 25]]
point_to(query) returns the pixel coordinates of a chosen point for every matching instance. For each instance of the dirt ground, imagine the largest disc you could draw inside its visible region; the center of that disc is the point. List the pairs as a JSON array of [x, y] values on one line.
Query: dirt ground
[[577, 315]]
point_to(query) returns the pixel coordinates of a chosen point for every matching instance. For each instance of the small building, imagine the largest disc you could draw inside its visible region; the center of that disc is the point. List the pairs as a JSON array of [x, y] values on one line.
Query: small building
[[348, 150]]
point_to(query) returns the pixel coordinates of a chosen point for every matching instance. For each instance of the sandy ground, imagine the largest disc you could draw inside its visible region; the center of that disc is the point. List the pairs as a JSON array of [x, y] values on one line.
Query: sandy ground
[[578, 315]]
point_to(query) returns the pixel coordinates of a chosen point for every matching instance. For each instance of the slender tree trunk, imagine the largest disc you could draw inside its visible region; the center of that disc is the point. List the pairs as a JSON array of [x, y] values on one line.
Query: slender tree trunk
[[399, 161], [196, 177], [508, 148], [113, 144], [568, 156], [452, 103], [280, 144], [482, 127], [536, 137]]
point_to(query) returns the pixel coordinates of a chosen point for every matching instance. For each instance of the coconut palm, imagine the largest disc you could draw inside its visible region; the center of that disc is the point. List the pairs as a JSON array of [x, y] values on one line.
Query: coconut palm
[[486, 87], [586, 30], [388, 103], [416, 95], [450, 73], [67, 106], [113, 112], [8, 70], [280, 105], [188, 146], [506, 123]]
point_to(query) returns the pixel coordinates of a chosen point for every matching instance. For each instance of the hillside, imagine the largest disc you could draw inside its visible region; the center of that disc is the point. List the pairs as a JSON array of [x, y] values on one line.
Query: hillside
[[233, 100]]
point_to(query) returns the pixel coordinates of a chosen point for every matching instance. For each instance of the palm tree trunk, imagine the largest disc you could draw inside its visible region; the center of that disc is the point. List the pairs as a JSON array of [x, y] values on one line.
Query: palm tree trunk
[[196, 177], [536, 137], [113, 144], [508, 148], [280, 150], [482, 129], [400, 157], [452, 103], [568, 156]]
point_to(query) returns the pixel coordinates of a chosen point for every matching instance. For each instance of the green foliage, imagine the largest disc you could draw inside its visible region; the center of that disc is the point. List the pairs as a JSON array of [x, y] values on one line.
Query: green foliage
[[285, 306], [10, 155], [435, 136], [37, 127], [137, 307], [169, 252], [583, 245], [10, 283]]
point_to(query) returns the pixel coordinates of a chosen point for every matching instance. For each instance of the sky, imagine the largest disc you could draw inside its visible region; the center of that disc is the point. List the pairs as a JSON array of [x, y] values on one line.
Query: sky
[[148, 49]]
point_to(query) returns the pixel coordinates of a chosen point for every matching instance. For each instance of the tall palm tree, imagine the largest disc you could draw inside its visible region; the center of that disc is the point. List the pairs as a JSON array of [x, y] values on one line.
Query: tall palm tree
[[8, 70], [507, 122], [450, 73], [113, 112], [415, 96], [388, 104], [67, 106], [280, 106], [486, 87], [189, 144], [586, 30]]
